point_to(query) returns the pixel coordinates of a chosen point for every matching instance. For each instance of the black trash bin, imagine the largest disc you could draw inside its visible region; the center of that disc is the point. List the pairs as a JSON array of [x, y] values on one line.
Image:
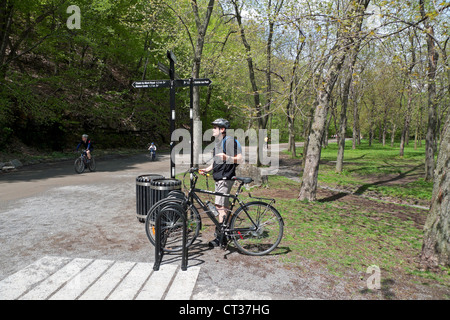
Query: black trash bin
[[160, 188], [144, 199]]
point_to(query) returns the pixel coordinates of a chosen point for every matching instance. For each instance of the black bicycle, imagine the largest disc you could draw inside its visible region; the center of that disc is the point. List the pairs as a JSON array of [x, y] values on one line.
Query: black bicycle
[[256, 228], [83, 162]]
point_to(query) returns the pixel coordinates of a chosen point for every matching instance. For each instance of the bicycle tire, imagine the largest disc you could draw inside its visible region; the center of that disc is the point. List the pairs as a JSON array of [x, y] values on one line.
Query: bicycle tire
[[193, 222], [92, 165], [255, 246], [79, 166]]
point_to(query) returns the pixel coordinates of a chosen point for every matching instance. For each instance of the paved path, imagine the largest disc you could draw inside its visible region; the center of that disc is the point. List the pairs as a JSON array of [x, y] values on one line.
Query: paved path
[[58, 278]]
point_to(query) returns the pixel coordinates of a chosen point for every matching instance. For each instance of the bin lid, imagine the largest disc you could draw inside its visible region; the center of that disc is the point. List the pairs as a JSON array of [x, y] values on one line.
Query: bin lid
[[149, 177], [165, 182]]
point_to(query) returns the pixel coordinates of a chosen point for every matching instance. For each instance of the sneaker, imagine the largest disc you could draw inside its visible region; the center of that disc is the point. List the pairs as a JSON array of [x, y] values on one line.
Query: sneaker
[[215, 243]]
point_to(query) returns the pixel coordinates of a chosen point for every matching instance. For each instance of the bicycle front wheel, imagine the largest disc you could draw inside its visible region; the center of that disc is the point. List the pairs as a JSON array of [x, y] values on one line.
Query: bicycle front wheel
[[79, 166], [256, 228], [171, 222]]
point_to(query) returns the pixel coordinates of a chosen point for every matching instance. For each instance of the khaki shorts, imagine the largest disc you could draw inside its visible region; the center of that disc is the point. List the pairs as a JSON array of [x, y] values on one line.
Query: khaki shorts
[[223, 186]]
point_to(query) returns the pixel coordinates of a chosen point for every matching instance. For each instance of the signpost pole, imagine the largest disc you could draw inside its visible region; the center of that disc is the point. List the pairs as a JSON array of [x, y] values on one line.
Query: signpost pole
[[191, 113], [172, 109]]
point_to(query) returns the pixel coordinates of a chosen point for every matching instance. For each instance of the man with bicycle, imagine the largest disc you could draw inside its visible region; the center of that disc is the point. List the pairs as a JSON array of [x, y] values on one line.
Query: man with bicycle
[[227, 156], [87, 145]]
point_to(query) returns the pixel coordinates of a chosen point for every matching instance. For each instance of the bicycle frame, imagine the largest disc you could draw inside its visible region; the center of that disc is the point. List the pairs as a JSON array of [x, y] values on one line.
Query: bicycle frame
[[192, 195]]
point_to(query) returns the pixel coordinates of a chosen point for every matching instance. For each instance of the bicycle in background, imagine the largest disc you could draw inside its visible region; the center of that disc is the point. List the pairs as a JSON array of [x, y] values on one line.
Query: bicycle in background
[[83, 162]]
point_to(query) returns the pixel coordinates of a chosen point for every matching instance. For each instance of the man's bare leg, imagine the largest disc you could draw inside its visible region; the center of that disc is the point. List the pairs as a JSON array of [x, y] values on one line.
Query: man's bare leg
[[222, 212]]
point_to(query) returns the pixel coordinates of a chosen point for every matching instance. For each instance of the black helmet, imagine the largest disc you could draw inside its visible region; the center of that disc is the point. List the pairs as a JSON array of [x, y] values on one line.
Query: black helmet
[[222, 123]]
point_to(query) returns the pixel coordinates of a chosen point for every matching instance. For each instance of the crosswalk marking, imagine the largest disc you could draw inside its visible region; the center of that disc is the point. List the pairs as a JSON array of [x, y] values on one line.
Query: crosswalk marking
[[14, 286], [106, 284], [54, 282], [132, 283], [156, 286], [58, 278], [183, 285], [82, 281]]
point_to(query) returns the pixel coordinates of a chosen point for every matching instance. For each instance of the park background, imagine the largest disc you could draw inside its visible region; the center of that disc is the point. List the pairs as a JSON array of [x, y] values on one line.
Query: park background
[[375, 72]]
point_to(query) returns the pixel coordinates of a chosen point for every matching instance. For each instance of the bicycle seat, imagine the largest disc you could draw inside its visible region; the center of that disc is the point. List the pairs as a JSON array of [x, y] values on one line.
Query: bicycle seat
[[243, 179]]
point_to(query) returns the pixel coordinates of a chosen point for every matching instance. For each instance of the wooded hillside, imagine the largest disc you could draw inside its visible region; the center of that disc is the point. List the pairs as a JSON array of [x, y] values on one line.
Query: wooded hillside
[[267, 59]]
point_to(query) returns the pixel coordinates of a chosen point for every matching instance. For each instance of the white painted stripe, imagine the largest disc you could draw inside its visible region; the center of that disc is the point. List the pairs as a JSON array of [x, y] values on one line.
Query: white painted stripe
[[82, 281], [157, 284], [55, 281], [133, 281], [107, 282], [183, 285], [18, 283], [173, 115]]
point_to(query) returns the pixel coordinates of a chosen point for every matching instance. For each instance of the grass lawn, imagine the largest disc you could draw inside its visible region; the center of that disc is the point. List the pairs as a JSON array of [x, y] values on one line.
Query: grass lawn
[[347, 234], [378, 171]]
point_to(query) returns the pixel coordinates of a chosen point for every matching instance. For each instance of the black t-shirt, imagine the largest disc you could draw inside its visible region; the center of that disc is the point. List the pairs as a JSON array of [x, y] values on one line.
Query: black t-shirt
[[221, 169]]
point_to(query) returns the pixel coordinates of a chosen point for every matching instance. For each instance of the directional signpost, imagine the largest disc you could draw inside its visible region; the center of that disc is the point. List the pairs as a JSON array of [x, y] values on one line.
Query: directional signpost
[[174, 83], [151, 84], [166, 83]]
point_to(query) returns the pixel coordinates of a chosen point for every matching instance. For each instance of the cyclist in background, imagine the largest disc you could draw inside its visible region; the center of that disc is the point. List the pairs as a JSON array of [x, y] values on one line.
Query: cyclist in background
[[152, 150], [87, 145]]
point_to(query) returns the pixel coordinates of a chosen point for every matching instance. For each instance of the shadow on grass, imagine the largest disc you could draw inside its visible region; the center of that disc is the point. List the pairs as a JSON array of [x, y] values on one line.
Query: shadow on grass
[[366, 186]]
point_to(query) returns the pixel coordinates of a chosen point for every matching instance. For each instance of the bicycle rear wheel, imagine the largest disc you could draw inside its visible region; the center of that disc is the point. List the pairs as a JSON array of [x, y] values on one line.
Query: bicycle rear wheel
[[172, 225], [256, 228], [92, 165], [79, 166]]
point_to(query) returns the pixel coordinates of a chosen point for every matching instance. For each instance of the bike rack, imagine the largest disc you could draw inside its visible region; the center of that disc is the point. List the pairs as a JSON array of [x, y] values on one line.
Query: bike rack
[[159, 246]]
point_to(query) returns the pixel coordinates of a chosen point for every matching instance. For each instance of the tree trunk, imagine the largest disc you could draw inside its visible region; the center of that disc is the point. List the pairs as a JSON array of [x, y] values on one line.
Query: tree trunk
[[290, 112], [251, 72], [339, 52], [415, 138], [433, 57], [343, 120], [355, 135], [268, 104], [383, 136], [405, 131], [307, 134], [380, 133], [198, 51], [325, 135], [6, 12], [394, 126], [436, 245]]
